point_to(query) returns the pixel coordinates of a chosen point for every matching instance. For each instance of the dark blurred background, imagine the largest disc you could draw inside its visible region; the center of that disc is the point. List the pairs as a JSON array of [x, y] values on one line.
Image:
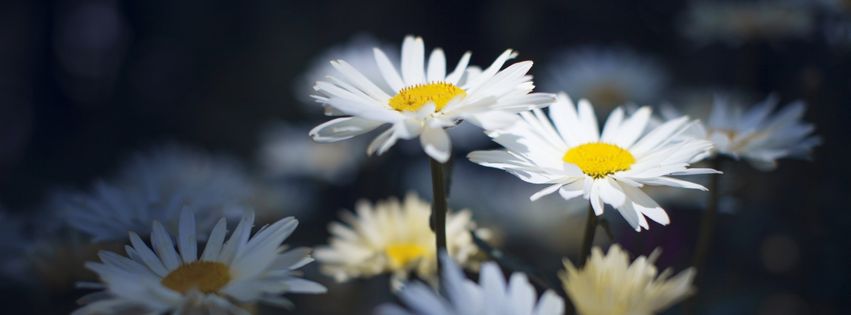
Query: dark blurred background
[[86, 83]]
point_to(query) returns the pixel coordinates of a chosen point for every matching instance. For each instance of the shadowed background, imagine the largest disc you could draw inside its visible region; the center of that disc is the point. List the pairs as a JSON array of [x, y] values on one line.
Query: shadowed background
[[84, 84]]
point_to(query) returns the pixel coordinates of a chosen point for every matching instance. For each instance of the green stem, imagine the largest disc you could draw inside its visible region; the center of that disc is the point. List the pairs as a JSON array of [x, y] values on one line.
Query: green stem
[[439, 206], [707, 229], [588, 239]]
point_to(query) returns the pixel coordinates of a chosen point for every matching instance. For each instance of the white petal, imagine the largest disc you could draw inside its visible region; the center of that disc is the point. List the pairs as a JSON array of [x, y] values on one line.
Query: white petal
[[343, 128], [215, 241], [632, 128], [382, 142], [413, 55], [436, 66], [436, 144], [388, 71], [546, 191], [187, 243], [456, 74]]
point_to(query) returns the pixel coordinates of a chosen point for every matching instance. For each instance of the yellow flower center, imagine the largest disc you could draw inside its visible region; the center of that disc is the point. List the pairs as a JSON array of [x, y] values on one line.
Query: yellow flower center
[[599, 159], [204, 276], [401, 255], [414, 97]]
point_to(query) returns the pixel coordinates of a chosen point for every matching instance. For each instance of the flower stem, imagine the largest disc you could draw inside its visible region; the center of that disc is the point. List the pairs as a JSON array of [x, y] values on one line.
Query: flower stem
[[707, 229], [439, 206], [588, 239]]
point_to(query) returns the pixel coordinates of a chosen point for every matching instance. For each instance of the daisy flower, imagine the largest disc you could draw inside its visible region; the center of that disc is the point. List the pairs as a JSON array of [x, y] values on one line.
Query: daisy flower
[[394, 237], [424, 99], [607, 77], [760, 135], [242, 270], [156, 185], [492, 295], [610, 285], [575, 159]]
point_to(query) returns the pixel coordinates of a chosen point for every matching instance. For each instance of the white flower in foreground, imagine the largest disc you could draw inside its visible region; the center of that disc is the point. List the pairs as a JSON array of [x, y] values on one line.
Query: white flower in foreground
[[156, 185], [759, 135], [492, 295], [424, 99], [241, 270], [575, 159], [394, 237], [610, 285], [606, 77]]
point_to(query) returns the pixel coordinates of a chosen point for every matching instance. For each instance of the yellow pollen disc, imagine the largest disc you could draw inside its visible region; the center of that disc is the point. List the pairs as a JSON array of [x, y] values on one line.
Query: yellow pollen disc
[[599, 159], [401, 255], [204, 276], [414, 97]]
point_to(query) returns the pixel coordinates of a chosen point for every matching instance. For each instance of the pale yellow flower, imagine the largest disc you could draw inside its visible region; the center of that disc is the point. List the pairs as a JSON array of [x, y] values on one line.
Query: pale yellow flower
[[394, 237], [610, 285]]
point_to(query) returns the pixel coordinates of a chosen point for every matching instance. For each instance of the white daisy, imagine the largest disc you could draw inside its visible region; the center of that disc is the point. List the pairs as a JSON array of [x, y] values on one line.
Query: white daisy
[[736, 22], [156, 185], [424, 99], [241, 270], [759, 135], [575, 159], [393, 237], [492, 295], [605, 76], [610, 285]]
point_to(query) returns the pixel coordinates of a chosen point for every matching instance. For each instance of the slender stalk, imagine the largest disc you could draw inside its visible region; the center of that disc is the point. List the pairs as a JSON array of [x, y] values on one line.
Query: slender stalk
[[707, 229], [588, 239], [438, 206]]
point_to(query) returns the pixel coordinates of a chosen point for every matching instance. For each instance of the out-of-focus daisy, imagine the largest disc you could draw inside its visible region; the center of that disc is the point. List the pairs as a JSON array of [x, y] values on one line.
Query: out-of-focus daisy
[[759, 135], [424, 99], [155, 186], [200, 179], [357, 51], [394, 237], [740, 21], [573, 157], [286, 152], [242, 270], [610, 285], [492, 295], [607, 77]]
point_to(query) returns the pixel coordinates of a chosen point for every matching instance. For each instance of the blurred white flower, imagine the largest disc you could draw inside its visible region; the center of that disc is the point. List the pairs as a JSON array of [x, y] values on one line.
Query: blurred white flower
[[156, 185], [759, 135], [285, 151], [227, 274], [423, 99], [610, 285], [394, 237], [608, 77], [357, 52], [572, 156], [492, 295], [737, 22]]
